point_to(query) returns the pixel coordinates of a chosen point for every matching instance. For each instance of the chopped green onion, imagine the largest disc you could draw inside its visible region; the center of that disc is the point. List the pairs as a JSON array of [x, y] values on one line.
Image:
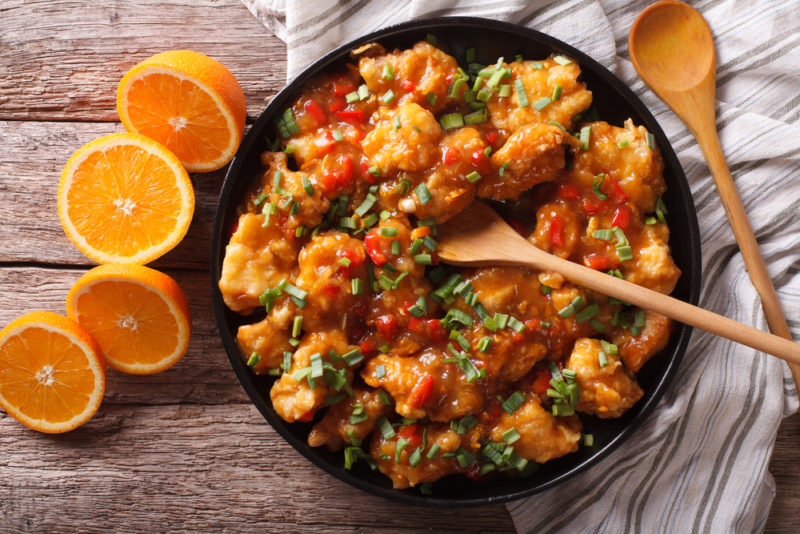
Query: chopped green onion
[[363, 92], [624, 252], [348, 222], [260, 200], [605, 235], [369, 220], [254, 359], [661, 210], [588, 440], [297, 325], [399, 446], [316, 365], [511, 435], [587, 313], [602, 359], [374, 171], [292, 290], [501, 319], [572, 307], [473, 177], [356, 286], [431, 98], [337, 135], [387, 98], [351, 97], [586, 132], [597, 325], [352, 357], [556, 123], [384, 398], [515, 324], [476, 117], [415, 457], [386, 428], [287, 361], [651, 140], [396, 247], [366, 205], [610, 348], [561, 60], [484, 344], [522, 97], [294, 342], [459, 338], [420, 308], [465, 458], [542, 103], [557, 93], [638, 318], [456, 315], [623, 143], [388, 71], [597, 185], [389, 231], [416, 246], [513, 402], [545, 290], [451, 120], [433, 451], [504, 90], [423, 259], [423, 194], [396, 122], [430, 243]]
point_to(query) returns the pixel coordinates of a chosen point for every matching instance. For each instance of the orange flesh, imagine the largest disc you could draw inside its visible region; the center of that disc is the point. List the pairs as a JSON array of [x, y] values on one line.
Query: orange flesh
[[180, 113], [45, 375], [140, 329], [130, 198]]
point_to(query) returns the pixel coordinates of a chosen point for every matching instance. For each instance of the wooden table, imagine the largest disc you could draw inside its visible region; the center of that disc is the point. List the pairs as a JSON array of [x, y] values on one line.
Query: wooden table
[[185, 449]]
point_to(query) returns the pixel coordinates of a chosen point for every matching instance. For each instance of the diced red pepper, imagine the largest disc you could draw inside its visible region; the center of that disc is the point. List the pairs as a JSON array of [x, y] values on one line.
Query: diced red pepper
[[387, 325], [592, 208], [316, 111], [367, 346], [329, 181], [451, 155], [597, 262], [417, 326], [408, 85], [542, 381], [365, 174], [621, 217], [568, 191], [412, 434], [556, 230], [373, 242], [338, 103], [332, 291], [342, 86], [474, 471], [533, 324], [493, 412], [616, 190], [421, 392], [355, 259], [325, 143], [517, 336], [346, 166], [492, 136], [436, 330], [480, 160], [354, 116]]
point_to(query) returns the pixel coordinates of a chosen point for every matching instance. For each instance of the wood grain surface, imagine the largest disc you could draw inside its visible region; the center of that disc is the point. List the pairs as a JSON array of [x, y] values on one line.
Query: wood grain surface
[[183, 450]]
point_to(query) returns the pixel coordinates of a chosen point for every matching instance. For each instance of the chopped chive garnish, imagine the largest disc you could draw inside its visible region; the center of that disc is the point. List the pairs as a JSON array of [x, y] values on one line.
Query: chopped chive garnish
[[356, 286], [416, 246], [545, 290], [650, 220], [586, 133], [473, 177], [420, 308], [396, 122], [561, 60], [430, 243], [623, 143], [386, 428], [396, 247], [476, 117], [456, 315], [351, 97], [405, 186], [294, 342], [522, 97], [501, 319], [337, 135], [513, 402], [254, 359], [423, 194], [504, 90], [415, 457], [515, 324], [297, 325], [602, 359], [588, 440], [537, 65], [389, 231], [610, 348], [363, 91], [451, 120], [605, 235], [661, 210], [374, 171], [369, 220], [557, 93], [556, 123], [366, 205], [459, 338], [587, 313], [423, 259], [316, 365], [292, 290], [597, 185], [433, 451], [384, 398], [358, 418], [399, 446], [638, 318], [545, 324], [260, 200], [352, 357], [388, 98], [597, 325], [354, 440], [484, 344], [511, 435], [624, 252], [431, 98], [651, 140], [388, 71], [287, 361], [348, 222], [426, 222], [571, 308], [542, 103]]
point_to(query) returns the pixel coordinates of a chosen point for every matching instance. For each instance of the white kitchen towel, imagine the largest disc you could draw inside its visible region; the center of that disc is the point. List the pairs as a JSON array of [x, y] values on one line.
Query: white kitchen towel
[[699, 462]]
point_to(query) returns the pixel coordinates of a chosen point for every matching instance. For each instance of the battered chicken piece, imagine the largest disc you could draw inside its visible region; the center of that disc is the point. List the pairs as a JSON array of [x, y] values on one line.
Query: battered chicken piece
[[328, 282], [635, 167], [558, 229], [534, 154], [384, 452], [652, 265], [411, 75], [266, 338], [607, 391], [636, 350], [404, 139], [425, 385], [447, 182], [506, 113], [542, 436], [295, 400], [336, 430], [257, 258]]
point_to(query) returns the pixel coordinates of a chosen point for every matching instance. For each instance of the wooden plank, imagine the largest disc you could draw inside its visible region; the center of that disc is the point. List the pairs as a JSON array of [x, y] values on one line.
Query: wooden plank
[[34, 154], [69, 66], [785, 468], [192, 468], [204, 376]]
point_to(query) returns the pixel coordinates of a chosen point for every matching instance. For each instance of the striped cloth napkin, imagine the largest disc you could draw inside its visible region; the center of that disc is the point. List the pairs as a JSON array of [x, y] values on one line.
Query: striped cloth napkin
[[699, 462]]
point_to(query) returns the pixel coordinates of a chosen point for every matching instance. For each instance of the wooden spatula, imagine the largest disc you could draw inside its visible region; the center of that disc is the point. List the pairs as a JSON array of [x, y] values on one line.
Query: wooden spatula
[[479, 236]]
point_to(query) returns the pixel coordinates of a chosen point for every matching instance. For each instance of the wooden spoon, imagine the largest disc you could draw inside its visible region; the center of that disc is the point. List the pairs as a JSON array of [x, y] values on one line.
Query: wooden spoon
[[672, 49], [479, 236]]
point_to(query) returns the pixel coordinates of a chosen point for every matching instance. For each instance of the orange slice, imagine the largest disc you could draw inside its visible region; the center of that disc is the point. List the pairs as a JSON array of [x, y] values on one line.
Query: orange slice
[[138, 316], [125, 198], [52, 376], [187, 101]]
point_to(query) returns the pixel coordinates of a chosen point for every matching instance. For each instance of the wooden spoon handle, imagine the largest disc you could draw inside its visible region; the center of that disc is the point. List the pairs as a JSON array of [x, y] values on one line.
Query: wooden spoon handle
[[709, 143], [663, 304]]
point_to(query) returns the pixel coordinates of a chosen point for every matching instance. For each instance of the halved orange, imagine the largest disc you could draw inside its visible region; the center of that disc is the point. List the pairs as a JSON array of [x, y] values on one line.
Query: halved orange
[[138, 316], [52, 375], [125, 198], [187, 101]]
